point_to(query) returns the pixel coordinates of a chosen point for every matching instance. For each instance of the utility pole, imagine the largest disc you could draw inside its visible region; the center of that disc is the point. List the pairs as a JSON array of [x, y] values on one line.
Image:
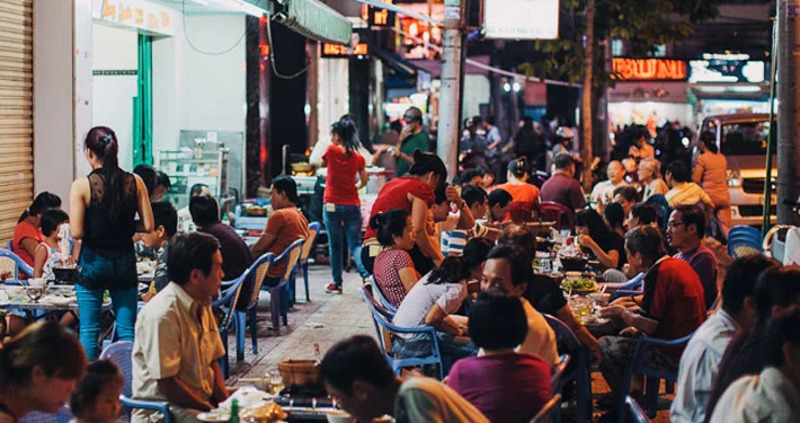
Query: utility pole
[[586, 99], [449, 98], [788, 15]]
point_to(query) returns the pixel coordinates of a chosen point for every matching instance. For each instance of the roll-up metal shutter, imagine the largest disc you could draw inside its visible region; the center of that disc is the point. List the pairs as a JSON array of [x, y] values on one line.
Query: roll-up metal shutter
[[16, 112]]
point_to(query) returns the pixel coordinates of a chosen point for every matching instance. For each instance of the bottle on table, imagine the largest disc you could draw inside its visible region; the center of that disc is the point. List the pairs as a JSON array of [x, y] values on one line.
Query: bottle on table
[[234, 418]]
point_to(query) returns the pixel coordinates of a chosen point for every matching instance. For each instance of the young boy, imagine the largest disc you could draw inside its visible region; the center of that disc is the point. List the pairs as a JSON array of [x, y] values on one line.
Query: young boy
[[166, 222]]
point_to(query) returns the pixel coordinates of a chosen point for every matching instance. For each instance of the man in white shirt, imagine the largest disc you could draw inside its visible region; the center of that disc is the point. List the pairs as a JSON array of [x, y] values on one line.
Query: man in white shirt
[[508, 272], [603, 192], [774, 394], [177, 340], [699, 364]]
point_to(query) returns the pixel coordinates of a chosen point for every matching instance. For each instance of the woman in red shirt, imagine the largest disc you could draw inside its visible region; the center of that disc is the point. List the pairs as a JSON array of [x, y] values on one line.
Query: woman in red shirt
[[341, 211], [414, 194], [28, 232]]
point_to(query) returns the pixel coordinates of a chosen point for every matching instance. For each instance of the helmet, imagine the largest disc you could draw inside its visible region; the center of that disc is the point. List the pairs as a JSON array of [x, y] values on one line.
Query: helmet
[[565, 132]]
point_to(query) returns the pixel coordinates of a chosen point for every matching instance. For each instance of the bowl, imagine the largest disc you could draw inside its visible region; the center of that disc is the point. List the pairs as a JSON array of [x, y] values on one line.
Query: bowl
[[37, 281], [573, 264], [15, 292], [64, 274], [339, 416], [299, 372]]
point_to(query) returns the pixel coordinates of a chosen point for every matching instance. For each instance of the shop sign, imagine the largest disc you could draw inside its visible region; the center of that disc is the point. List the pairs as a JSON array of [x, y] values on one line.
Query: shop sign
[[331, 50], [727, 71], [649, 69], [520, 19], [377, 17], [137, 14]]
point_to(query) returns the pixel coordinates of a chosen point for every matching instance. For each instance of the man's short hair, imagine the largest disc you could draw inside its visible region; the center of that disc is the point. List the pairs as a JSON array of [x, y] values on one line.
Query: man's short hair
[[646, 213], [204, 210], [149, 176], [692, 215], [784, 329], [518, 261], [777, 286], [627, 192], [470, 174], [497, 322], [563, 161], [164, 214], [680, 171], [440, 195], [286, 185], [499, 196], [163, 180], [188, 252], [355, 358], [741, 280], [472, 194], [645, 240], [197, 189]]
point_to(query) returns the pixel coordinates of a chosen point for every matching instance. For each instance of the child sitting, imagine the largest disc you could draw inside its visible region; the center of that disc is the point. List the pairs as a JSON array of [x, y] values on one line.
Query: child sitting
[[166, 223], [97, 398], [50, 252]]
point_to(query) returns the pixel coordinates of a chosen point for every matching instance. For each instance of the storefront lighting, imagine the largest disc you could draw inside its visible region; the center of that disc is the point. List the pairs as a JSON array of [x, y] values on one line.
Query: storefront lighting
[[507, 87], [240, 5], [517, 87]]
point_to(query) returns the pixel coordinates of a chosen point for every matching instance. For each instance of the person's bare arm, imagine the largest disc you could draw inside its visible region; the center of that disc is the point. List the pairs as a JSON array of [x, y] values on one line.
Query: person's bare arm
[[641, 323], [440, 320], [39, 258], [180, 394], [220, 391], [146, 223], [78, 194], [419, 215], [408, 277], [29, 245], [362, 177], [608, 259], [264, 242], [584, 336]]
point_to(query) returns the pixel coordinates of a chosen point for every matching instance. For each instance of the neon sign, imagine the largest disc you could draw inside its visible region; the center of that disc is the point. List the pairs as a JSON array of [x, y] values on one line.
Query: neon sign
[[649, 69]]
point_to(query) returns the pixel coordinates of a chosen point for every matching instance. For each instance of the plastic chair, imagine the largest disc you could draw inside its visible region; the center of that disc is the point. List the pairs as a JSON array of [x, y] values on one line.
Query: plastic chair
[[635, 411], [278, 294], [228, 299], [740, 245], [121, 354], [543, 415], [381, 319], [253, 277], [551, 210], [746, 231], [64, 415], [773, 245], [581, 374], [558, 371], [13, 263], [376, 291], [313, 231], [638, 367], [631, 287]]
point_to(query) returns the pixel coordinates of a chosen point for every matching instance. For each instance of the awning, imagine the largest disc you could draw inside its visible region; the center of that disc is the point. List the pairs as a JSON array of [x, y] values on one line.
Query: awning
[[314, 20], [403, 67]]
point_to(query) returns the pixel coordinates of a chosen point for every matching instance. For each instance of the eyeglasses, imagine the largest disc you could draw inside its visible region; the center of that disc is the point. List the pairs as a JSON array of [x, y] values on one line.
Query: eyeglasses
[[673, 225]]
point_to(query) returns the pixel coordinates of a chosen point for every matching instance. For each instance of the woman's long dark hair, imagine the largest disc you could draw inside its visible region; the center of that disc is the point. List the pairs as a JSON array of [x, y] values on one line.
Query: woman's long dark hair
[[102, 141], [598, 229], [455, 269], [43, 202], [346, 129], [709, 140], [389, 224], [57, 352]]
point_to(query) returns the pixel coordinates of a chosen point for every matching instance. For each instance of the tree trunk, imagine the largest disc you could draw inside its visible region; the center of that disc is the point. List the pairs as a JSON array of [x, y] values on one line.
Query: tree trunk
[[586, 99]]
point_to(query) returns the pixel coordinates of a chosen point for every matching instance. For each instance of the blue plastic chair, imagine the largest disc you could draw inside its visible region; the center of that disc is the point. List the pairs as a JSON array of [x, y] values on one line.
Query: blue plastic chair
[[632, 287], [120, 353], [278, 294], [581, 374], [253, 277], [742, 244], [663, 210], [376, 292], [381, 319], [228, 299], [558, 372], [639, 367], [64, 415], [635, 411], [308, 246], [745, 230], [17, 262]]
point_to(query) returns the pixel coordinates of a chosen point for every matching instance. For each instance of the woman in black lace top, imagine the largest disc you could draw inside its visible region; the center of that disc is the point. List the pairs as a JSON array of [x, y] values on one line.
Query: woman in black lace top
[[103, 207]]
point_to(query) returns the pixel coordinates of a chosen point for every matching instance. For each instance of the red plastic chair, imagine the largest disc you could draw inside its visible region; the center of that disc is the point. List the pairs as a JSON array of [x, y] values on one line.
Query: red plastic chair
[[557, 212]]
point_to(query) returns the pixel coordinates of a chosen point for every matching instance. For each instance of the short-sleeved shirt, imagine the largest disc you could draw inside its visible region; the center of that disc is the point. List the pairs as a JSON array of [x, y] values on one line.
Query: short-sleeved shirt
[[686, 195], [453, 242], [704, 263], [236, 257], [565, 190], [340, 185], [418, 302], [387, 274], [614, 241], [21, 231], [175, 337], [541, 340], [526, 193], [545, 295], [287, 225], [604, 191], [418, 141], [674, 297], [504, 387], [422, 399], [394, 195]]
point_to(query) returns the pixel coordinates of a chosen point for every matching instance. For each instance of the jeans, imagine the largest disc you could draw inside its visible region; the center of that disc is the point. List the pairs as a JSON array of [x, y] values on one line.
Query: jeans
[[90, 309], [420, 345], [343, 223]]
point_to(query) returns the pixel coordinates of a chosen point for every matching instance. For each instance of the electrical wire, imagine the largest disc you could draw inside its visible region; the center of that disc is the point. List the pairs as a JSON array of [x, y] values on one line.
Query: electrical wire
[[207, 53], [272, 62]]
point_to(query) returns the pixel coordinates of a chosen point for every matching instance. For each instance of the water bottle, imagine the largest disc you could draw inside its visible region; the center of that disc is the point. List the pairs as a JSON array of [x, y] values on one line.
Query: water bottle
[[545, 265]]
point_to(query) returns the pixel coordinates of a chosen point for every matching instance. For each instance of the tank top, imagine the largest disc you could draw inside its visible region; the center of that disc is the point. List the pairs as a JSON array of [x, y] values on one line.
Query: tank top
[[105, 228]]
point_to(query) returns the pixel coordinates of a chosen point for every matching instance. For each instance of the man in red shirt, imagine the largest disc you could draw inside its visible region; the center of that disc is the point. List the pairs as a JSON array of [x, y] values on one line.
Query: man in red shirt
[[672, 307], [562, 187]]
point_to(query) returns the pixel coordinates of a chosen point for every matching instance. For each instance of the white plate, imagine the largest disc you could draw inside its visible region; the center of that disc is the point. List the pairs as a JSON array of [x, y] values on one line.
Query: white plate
[[213, 417]]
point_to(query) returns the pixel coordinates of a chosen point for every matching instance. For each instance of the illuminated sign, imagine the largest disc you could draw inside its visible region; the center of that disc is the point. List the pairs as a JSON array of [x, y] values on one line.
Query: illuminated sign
[[338, 50], [137, 14], [727, 71], [377, 17], [520, 19], [649, 69]]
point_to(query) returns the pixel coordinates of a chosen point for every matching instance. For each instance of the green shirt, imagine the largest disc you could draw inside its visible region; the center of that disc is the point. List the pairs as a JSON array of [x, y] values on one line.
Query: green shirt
[[413, 142]]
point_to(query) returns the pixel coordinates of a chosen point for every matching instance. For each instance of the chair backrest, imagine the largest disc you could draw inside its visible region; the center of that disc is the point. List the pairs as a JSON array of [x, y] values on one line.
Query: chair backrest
[[376, 292], [663, 210], [743, 245], [745, 230], [313, 231], [292, 255], [257, 272], [64, 415], [543, 416], [120, 354], [558, 371], [381, 317], [635, 411], [10, 262], [230, 298], [565, 336], [551, 210]]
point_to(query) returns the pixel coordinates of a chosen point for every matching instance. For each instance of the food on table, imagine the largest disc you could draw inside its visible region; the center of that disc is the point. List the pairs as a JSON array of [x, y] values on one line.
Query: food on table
[[267, 412], [579, 284]]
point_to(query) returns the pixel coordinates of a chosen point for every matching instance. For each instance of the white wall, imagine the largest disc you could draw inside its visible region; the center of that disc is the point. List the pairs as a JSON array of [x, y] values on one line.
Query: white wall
[[476, 92], [332, 101], [192, 90], [115, 49]]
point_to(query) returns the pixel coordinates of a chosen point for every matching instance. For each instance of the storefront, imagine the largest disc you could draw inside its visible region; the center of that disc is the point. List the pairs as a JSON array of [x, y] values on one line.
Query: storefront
[[729, 83]]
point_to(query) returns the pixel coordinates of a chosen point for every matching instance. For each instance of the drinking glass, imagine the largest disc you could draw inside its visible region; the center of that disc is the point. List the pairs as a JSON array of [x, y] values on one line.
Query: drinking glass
[[276, 384], [34, 293]]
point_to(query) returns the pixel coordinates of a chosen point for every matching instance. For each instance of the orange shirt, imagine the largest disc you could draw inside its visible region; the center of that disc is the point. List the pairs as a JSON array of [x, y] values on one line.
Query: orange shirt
[[22, 231], [525, 193], [287, 225]]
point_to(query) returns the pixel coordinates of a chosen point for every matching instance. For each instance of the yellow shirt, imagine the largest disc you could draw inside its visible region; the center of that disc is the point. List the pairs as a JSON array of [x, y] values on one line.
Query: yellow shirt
[[175, 336]]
